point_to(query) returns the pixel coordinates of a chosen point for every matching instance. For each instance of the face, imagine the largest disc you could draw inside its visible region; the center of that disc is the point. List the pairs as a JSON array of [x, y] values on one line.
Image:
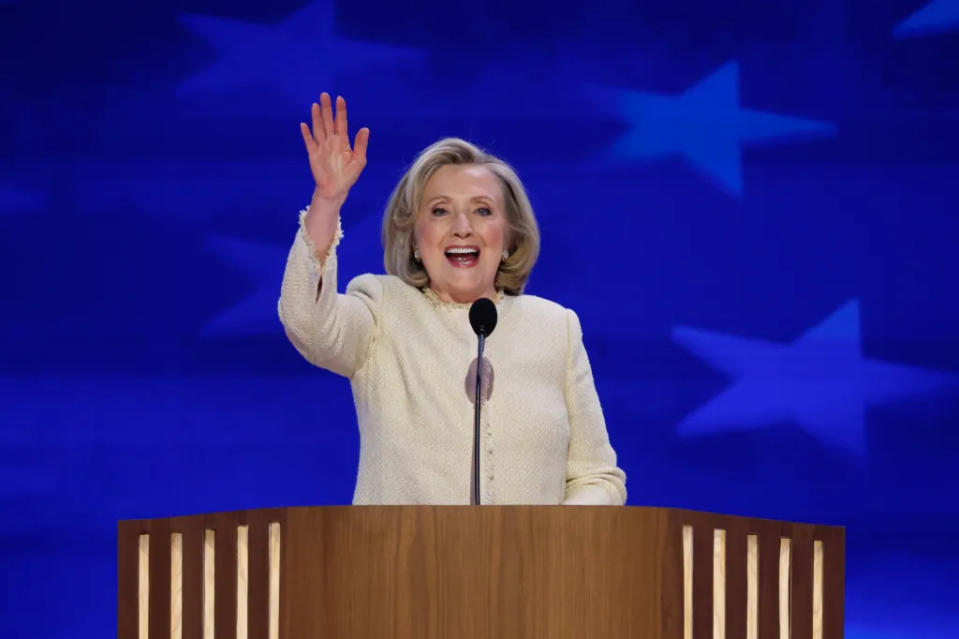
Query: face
[[460, 232]]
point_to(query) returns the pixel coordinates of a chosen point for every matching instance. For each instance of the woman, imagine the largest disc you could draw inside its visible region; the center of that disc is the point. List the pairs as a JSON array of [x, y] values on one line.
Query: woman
[[458, 227]]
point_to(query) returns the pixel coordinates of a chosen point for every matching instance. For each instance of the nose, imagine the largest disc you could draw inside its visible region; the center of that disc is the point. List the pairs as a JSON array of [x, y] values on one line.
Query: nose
[[462, 226]]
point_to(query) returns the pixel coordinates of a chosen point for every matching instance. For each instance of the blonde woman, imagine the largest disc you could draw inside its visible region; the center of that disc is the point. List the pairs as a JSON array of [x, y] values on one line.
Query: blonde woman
[[458, 227]]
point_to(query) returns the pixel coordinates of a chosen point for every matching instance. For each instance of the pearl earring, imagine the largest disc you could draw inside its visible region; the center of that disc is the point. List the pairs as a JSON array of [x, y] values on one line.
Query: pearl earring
[[505, 254], [416, 254]]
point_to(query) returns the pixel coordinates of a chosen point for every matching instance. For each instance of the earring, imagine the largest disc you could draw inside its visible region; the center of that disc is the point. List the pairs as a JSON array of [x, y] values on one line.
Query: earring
[[505, 254], [416, 254]]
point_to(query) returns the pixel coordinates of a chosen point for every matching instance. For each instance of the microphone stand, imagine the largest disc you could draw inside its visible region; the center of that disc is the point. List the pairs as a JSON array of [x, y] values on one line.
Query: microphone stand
[[477, 403]]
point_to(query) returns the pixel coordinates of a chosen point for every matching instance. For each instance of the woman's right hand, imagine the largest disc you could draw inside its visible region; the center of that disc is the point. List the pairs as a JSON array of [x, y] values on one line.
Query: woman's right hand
[[335, 166]]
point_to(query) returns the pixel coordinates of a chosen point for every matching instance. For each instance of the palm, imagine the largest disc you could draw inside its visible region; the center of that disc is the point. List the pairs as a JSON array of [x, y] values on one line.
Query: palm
[[334, 164]]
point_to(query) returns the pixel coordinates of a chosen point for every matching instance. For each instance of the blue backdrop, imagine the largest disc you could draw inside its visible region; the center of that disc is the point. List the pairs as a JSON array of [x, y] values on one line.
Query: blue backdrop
[[751, 205]]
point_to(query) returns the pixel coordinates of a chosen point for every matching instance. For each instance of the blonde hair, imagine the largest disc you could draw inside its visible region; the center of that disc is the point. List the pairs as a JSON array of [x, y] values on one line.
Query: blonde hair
[[400, 215]]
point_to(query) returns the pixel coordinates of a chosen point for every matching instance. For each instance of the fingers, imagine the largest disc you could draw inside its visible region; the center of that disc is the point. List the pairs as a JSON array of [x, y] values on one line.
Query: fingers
[[307, 138], [326, 110], [317, 122], [360, 144], [341, 126]]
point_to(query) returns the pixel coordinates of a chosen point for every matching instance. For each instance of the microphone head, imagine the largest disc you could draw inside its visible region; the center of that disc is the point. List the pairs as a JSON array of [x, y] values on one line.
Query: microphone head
[[483, 316]]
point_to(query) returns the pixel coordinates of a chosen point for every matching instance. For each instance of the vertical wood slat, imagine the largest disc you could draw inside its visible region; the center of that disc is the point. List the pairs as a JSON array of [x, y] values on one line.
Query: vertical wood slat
[[128, 552], [225, 589], [688, 582], [817, 601], [736, 568], [801, 583], [785, 567], [752, 587], [834, 575], [259, 577], [159, 578], [242, 580], [274, 581], [702, 581], [769, 581], [176, 585], [143, 586], [192, 530], [719, 584], [209, 584]]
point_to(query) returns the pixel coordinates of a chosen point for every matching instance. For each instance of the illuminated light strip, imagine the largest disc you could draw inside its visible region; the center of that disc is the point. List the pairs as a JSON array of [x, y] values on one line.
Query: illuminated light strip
[[752, 587], [719, 584], [209, 575], [143, 588], [176, 585], [687, 582], [784, 547], [817, 576], [242, 580], [274, 603]]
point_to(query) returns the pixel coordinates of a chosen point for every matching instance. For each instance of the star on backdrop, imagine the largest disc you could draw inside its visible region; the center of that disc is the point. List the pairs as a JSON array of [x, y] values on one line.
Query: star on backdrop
[[821, 382], [936, 17], [706, 125], [16, 201], [262, 265], [297, 57]]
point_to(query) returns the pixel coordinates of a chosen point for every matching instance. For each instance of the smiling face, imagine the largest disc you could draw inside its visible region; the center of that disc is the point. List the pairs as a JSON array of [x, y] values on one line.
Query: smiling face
[[460, 232]]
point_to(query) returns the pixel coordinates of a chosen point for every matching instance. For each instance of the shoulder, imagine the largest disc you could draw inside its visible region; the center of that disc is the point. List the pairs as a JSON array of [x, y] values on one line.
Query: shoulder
[[545, 313], [378, 287]]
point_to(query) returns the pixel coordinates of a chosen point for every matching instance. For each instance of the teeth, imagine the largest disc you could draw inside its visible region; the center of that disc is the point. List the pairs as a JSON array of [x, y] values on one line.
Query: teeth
[[462, 251]]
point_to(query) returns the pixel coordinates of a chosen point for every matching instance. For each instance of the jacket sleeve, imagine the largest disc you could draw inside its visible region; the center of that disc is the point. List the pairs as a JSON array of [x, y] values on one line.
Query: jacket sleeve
[[592, 476], [330, 330]]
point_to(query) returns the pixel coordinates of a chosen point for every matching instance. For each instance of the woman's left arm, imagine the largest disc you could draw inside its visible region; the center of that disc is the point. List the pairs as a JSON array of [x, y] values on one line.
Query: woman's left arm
[[592, 476]]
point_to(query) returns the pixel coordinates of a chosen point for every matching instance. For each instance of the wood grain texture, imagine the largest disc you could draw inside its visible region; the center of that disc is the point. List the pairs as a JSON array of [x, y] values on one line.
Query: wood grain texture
[[176, 585], [702, 579], [752, 587], [817, 574], [719, 583], [736, 580], [801, 582], [469, 572], [242, 581], [127, 578], [785, 601], [769, 536], [159, 578]]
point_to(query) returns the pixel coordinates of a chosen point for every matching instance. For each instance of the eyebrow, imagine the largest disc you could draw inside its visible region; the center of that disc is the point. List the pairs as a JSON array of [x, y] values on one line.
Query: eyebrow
[[476, 198]]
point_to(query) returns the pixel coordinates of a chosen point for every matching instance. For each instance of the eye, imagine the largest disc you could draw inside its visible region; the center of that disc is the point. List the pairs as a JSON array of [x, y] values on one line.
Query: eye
[[438, 211], [484, 211]]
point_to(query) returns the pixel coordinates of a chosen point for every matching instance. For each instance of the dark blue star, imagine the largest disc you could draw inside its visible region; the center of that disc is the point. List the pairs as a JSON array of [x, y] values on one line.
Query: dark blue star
[[821, 382], [935, 17], [262, 266], [18, 201], [705, 125], [297, 57]]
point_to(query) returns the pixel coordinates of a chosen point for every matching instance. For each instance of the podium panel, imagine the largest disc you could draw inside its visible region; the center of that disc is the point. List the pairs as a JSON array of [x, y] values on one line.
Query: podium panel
[[554, 572]]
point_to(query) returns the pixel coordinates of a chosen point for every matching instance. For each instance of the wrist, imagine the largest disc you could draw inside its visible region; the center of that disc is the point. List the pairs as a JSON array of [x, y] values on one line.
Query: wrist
[[326, 201]]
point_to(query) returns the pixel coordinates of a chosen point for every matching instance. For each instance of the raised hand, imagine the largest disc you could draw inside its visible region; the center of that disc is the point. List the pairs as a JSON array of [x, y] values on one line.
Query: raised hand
[[334, 164]]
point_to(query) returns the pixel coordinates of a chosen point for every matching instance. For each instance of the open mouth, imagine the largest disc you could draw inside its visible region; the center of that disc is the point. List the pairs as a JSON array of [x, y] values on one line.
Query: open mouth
[[463, 256]]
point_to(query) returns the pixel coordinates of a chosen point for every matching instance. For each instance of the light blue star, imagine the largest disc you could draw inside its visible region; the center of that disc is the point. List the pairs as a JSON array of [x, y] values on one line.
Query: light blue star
[[706, 125], [935, 17], [821, 382], [297, 57]]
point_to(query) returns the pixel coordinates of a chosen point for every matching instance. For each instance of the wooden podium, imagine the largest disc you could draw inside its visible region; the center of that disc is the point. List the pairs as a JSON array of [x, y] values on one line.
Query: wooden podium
[[464, 572]]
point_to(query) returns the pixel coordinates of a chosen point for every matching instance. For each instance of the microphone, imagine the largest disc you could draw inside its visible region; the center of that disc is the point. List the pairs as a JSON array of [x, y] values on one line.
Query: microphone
[[483, 316], [483, 321]]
